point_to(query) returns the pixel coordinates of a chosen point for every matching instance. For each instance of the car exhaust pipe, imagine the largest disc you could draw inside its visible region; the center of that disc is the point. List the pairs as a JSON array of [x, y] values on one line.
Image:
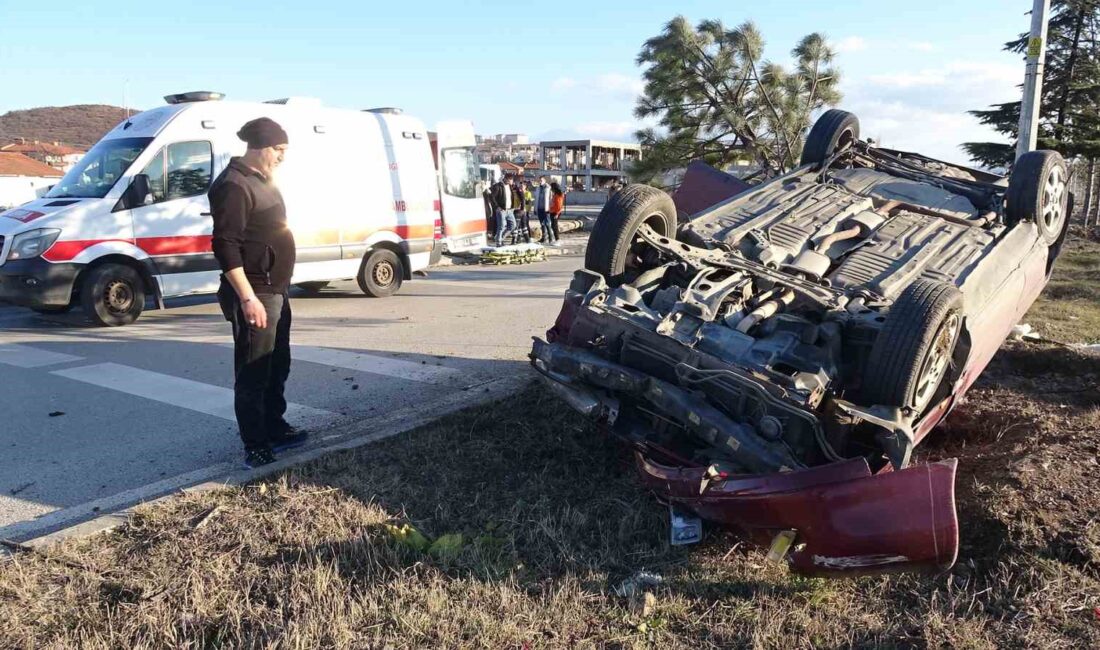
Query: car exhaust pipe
[[764, 311]]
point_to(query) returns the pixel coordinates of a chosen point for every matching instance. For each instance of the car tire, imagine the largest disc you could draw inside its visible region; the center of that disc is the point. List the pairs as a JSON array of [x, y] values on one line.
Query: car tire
[[381, 273], [611, 246], [312, 287], [1038, 192], [113, 295], [832, 131], [914, 351]]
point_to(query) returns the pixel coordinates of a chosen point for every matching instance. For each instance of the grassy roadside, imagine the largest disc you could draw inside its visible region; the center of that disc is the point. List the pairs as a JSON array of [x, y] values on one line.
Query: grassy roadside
[[510, 525], [1069, 309]]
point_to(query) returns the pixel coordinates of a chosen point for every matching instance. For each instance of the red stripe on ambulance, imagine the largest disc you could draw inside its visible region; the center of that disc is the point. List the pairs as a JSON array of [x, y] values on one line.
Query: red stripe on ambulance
[[63, 251]]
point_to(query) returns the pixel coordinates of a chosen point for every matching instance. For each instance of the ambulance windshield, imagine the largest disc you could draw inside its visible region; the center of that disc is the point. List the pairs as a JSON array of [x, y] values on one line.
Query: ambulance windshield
[[460, 172], [99, 169]]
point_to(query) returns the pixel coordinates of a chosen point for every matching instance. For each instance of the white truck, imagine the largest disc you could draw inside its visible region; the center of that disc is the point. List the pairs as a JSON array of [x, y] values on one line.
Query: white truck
[[369, 194]]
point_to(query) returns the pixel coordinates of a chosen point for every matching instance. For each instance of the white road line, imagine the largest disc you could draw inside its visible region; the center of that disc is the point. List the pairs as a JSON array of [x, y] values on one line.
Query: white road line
[[372, 363], [185, 393], [357, 433], [24, 356]]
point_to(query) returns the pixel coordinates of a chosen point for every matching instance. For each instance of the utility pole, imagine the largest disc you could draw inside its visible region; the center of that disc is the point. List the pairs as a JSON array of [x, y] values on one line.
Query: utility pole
[[1033, 79]]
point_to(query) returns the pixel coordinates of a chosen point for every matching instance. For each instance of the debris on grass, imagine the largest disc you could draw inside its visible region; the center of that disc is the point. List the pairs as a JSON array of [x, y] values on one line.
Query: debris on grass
[[636, 583], [408, 536], [1023, 331]]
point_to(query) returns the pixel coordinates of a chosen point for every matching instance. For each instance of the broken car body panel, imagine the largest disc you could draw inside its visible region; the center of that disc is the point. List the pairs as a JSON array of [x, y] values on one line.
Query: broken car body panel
[[775, 358], [847, 519]]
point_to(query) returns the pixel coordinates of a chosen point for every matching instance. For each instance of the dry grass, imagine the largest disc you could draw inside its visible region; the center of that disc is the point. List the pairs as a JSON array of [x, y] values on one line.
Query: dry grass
[[552, 518]]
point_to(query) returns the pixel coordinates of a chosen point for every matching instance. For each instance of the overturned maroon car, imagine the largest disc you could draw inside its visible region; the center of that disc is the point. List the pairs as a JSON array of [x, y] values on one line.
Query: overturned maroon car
[[774, 359]]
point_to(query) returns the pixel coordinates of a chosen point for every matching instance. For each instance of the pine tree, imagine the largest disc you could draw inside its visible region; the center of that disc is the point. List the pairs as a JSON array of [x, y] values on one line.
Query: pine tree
[[716, 99], [1069, 87]]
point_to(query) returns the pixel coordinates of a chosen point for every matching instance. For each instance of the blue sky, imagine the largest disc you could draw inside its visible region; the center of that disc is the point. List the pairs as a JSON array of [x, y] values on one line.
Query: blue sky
[[911, 68]]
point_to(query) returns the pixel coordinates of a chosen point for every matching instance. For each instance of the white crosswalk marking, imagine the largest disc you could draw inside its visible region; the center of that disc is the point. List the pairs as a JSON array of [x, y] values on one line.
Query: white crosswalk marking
[[372, 363], [185, 393], [24, 356]]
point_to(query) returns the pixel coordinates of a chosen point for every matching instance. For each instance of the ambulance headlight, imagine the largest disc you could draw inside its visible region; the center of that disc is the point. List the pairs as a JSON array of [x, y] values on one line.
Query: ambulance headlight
[[32, 243]]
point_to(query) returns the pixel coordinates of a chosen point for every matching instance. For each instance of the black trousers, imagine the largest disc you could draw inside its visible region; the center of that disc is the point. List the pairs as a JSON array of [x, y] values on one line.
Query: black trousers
[[261, 365]]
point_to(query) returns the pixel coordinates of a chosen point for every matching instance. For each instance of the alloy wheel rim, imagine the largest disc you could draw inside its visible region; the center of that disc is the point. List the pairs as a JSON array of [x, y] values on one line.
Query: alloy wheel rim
[[1054, 190], [936, 362]]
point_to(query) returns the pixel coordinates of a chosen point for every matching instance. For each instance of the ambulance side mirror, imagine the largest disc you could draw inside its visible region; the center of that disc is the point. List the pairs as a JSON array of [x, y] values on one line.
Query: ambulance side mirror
[[140, 194]]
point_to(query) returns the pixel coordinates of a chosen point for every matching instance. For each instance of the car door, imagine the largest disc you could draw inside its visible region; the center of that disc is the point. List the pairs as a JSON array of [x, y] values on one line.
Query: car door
[[175, 227]]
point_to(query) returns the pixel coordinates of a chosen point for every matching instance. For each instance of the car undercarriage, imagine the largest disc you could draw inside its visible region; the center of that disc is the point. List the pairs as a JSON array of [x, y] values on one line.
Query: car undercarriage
[[798, 339]]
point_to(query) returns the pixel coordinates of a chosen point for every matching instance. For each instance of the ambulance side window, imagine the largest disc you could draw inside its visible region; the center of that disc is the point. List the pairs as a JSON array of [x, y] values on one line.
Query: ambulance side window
[[155, 171], [190, 165], [460, 172]]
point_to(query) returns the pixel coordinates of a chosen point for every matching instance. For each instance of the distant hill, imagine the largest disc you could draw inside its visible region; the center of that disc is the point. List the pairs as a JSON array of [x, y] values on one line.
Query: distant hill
[[80, 126]]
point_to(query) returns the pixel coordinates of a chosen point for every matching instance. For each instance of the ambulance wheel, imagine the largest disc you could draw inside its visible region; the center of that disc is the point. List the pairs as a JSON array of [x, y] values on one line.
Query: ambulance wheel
[[381, 273], [113, 295]]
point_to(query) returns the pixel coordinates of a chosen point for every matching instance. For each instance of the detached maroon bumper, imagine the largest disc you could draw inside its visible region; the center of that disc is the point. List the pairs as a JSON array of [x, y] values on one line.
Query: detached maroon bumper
[[847, 520]]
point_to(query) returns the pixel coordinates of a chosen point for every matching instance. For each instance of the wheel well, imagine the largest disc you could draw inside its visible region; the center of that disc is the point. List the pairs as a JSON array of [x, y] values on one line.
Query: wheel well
[[406, 273], [151, 286]]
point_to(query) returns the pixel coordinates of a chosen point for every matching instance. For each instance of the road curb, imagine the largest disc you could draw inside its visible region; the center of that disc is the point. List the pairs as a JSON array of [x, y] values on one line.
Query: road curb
[[357, 434]]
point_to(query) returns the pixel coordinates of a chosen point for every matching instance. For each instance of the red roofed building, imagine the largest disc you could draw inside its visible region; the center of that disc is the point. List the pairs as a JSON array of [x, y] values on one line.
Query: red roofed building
[[57, 155], [510, 169], [23, 179]]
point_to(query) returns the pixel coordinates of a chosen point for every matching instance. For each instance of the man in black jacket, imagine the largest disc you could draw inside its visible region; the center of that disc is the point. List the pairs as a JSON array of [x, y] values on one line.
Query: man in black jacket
[[504, 201], [256, 252]]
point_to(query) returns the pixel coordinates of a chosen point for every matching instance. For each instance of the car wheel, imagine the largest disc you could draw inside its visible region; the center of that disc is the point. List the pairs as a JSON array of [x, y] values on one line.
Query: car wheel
[[614, 249], [1037, 192], [913, 353], [312, 287], [381, 273], [833, 131], [113, 295]]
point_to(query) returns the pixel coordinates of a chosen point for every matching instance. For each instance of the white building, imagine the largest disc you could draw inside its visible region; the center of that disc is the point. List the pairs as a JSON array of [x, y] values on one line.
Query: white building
[[23, 179], [512, 138], [590, 165]]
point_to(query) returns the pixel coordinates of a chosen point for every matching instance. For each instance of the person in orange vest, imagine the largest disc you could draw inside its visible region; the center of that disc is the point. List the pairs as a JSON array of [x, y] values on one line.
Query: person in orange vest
[[557, 206]]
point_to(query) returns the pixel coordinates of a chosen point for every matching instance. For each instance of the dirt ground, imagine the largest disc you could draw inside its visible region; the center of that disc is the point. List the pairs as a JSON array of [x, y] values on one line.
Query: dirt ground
[[512, 524]]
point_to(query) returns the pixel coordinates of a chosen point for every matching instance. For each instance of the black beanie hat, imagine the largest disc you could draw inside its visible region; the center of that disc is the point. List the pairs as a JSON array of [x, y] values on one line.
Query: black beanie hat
[[262, 132]]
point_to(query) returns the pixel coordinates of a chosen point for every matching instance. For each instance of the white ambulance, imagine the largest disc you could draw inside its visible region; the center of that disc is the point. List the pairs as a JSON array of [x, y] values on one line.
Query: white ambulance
[[370, 195]]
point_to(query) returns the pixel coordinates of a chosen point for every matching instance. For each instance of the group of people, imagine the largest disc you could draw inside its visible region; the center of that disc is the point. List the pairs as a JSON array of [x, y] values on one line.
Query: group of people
[[509, 205]]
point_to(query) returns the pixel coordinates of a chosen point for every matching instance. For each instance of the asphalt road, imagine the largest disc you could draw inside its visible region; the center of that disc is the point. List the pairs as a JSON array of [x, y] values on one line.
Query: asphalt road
[[98, 415]]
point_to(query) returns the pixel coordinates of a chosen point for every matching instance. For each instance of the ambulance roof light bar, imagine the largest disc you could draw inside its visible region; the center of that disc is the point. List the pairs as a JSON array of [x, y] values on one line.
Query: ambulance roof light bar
[[195, 96]]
